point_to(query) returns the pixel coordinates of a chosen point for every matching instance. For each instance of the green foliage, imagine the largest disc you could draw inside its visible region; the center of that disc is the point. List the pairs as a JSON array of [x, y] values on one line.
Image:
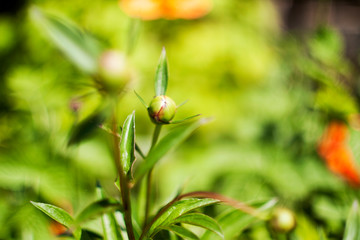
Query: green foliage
[[170, 215], [352, 230], [272, 95], [79, 47], [174, 138], [161, 76], [127, 143]]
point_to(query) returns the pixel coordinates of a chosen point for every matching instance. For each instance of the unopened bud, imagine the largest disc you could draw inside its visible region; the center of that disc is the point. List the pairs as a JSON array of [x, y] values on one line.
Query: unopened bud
[[162, 109], [114, 70], [283, 220]]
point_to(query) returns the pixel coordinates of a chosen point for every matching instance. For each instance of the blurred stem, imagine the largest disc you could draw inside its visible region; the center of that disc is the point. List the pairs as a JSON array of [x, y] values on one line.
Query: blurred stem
[[149, 176], [124, 184]]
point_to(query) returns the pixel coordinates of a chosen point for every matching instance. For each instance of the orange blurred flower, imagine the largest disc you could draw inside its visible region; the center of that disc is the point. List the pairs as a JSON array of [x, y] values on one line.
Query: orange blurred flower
[[56, 228], [169, 9], [337, 155]]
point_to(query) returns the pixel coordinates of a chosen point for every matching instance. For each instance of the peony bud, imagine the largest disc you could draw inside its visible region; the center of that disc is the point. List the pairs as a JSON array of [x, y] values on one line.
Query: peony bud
[[283, 220], [162, 109], [114, 71]]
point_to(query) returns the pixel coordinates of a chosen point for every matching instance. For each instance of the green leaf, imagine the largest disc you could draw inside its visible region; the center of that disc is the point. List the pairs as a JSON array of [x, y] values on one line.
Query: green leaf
[[233, 222], [127, 144], [200, 220], [141, 100], [182, 232], [174, 138], [80, 48], [86, 127], [352, 229], [98, 208], [56, 213], [161, 75], [176, 210], [109, 224], [322, 235], [184, 120]]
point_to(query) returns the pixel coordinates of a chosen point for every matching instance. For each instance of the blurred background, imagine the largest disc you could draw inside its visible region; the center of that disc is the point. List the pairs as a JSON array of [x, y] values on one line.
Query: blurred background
[[274, 75]]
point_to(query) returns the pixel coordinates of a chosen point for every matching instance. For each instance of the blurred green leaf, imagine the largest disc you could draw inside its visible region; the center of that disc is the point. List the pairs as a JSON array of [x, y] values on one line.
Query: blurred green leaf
[[89, 235], [233, 222], [79, 47], [161, 75], [181, 232], [200, 220], [86, 127], [98, 208], [176, 210], [185, 119], [127, 144], [56, 213], [109, 224], [352, 229], [174, 138], [322, 235]]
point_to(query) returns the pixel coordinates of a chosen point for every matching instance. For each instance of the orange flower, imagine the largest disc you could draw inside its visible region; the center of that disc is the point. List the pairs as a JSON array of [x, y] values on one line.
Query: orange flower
[[169, 9], [338, 157], [56, 228]]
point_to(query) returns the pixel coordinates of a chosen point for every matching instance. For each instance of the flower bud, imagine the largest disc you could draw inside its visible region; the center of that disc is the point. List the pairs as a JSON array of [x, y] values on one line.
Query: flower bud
[[162, 109], [114, 71], [283, 220]]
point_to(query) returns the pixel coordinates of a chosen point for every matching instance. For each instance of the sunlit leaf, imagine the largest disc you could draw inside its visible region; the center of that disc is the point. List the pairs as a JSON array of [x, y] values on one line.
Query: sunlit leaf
[[200, 220], [182, 232], [98, 208], [176, 210], [161, 75], [352, 230], [79, 47], [127, 144], [56, 213], [174, 138]]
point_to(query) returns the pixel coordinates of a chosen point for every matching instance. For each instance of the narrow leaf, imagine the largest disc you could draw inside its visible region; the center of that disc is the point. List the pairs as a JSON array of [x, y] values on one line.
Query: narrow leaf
[[352, 229], [185, 119], [182, 232], [56, 213], [141, 100], [98, 208], [200, 220], [161, 75], [171, 140], [109, 224], [127, 144], [178, 209], [80, 48]]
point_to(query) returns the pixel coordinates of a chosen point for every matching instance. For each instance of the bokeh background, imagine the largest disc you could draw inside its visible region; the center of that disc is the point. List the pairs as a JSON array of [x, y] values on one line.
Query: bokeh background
[[272, 74]]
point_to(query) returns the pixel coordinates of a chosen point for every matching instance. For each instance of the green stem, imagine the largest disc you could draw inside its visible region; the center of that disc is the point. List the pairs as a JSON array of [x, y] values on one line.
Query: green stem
[[124, 184], [155, 135], [149, 176]]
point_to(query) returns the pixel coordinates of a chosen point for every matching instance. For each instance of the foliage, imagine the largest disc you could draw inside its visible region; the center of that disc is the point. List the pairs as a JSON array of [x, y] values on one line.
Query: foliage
[[271, 96]]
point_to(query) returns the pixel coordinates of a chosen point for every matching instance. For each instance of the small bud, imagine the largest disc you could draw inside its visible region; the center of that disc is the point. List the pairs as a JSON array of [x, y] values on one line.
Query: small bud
[[114, 70], [162, 109], [283, 220]]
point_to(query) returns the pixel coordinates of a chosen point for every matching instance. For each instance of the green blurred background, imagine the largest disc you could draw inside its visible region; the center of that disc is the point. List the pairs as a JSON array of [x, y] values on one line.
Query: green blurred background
[[271, 73]]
